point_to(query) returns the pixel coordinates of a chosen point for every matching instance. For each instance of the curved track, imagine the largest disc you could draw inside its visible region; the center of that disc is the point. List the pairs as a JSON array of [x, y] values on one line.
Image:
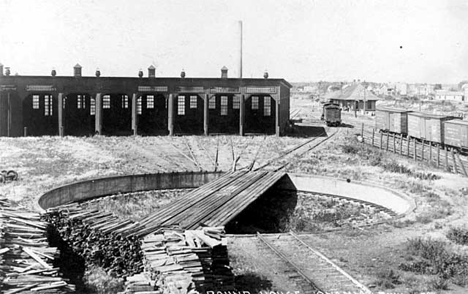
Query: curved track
[[309, 269]]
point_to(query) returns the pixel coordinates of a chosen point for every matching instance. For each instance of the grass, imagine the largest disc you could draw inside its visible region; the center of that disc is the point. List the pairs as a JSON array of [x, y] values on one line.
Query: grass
[[434, 257], [135, 206]]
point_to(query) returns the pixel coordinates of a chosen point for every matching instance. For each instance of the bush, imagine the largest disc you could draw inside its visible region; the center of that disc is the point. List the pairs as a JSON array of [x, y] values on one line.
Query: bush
[[395, 167], [433, 257], [349, 149], [388, 279], [439, 283], [458, 235]]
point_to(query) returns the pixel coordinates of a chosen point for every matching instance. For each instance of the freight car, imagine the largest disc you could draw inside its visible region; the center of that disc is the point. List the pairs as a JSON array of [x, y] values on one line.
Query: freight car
[[331, 114], [392, 120], [438, 129]]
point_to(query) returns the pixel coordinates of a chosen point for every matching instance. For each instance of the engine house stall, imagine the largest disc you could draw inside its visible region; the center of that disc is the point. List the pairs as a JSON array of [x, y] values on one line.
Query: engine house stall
[[224, 113], [152, 114], [260, 113], [116, 115], [10, 114], [188, 114], [79, 112], [392, 120], [427, 126], [456, 133], [40, 115]]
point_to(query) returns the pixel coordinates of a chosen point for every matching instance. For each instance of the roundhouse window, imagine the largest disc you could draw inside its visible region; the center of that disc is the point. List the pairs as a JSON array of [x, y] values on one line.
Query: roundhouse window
[[236, 102], [92, 109], [181, 105], [150, 101], [212, 103], [267, 106], [124, 101], [139, 106], [254, 102], [193, 101], [106, 101], [224, 105], [35, 101], [48, 105]]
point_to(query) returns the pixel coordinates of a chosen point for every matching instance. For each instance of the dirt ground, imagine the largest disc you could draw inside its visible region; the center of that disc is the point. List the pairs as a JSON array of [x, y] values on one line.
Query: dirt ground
[[48, 162]]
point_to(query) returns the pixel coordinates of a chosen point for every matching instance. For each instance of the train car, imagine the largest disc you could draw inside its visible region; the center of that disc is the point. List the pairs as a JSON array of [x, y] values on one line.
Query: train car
[[428, 127], [331, 114], [392, 120], [456, 134]]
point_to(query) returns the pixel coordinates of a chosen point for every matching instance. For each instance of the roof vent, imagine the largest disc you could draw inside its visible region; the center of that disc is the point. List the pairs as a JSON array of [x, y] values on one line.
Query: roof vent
[[98, 72], [53, 72], [151, 71], [77, 70], [265, 74], [140, 73], [224, 72], [7, 71], [182, 73]]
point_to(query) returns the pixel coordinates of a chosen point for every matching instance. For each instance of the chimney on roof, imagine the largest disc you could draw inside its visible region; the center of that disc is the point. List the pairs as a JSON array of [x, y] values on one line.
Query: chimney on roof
[[53, 72], [151, 71], [265, 74], [1, 70], [7, 71], [224, 72], [77, 70]]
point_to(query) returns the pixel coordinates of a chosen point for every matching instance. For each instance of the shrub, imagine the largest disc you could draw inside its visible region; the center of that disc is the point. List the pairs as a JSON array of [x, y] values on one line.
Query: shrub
[[433, 257], [388, 279], [439, 283], [458, 235], [349, 149]]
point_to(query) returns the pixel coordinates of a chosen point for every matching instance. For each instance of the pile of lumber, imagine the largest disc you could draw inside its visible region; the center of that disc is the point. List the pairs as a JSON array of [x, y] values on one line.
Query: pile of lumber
[[26, 260], [178, 261], [99, 238]]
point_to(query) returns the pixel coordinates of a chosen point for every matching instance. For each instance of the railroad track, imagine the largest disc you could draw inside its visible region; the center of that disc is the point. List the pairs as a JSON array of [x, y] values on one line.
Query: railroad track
[[306, 267], [297, 150]]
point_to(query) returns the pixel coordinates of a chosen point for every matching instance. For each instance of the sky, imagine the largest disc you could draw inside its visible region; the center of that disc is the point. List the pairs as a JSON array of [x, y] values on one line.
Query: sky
[[298, 40]]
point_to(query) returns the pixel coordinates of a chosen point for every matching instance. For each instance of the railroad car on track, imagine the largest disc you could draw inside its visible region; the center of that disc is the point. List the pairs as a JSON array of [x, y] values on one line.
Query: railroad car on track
[[331, 114], [444, 130], [392, 120]]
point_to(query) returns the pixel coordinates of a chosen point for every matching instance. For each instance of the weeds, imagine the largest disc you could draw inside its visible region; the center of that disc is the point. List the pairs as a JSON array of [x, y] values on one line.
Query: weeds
[[433, 257], [388, 279], [458, 235]]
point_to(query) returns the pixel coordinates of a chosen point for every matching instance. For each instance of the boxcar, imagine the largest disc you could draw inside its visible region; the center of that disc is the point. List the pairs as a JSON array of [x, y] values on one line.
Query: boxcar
[[331, 114], [456, 133], [392, 120], [429, 127]]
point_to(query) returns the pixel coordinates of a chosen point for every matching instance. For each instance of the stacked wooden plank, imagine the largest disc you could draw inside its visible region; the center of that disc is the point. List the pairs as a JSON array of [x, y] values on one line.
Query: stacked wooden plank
[[180, 261], [26, 260], [99, 238]]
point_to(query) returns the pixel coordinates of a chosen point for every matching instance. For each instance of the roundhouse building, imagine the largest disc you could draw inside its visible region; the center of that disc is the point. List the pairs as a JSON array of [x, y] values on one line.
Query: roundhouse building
[[80, 106]]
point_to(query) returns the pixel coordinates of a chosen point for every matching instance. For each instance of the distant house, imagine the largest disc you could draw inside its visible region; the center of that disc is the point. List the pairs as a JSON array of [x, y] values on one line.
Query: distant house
[[354, 97], [402, 89], [458, 96]]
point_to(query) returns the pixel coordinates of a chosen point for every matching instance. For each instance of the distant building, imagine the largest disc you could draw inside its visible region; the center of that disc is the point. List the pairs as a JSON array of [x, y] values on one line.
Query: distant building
[[354, 97], [402, 89], [458, 96]]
